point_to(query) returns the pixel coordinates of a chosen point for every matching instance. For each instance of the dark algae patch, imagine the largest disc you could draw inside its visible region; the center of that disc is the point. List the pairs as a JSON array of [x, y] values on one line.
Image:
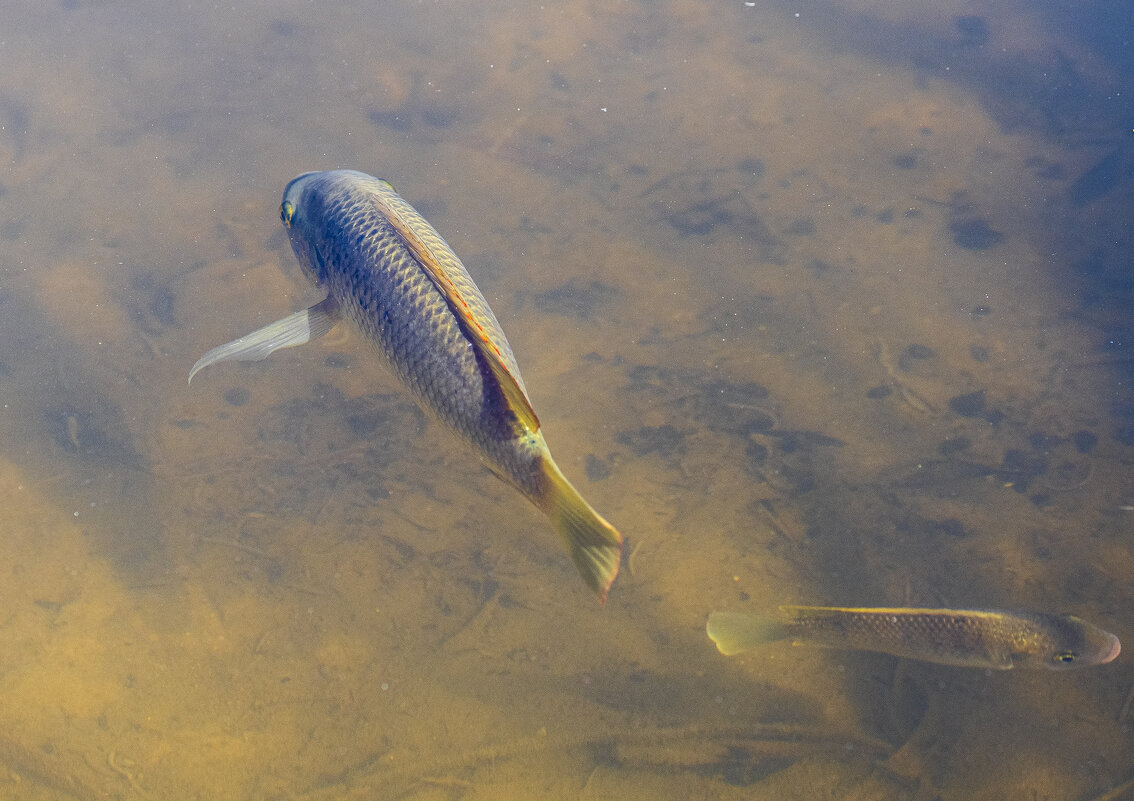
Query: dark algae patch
[[975, 234], [582, 299], [95, 430], [971, 404], [703, 202], [596, 469], [663, 440], [973, 30], [237, 396]]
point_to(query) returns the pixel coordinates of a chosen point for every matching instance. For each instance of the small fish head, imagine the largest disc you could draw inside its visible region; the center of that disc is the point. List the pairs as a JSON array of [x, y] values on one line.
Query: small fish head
[[1075, 643], [295, 210]]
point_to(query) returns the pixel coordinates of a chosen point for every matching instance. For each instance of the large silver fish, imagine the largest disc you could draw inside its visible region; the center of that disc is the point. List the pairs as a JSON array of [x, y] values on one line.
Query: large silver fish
[[984, 638], [392, 275]]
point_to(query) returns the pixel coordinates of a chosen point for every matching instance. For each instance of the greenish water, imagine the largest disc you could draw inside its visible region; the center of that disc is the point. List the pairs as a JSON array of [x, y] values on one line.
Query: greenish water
[[819, 304]]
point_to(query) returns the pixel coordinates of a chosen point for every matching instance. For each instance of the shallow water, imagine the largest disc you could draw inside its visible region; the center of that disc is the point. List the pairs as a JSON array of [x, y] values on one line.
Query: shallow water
[[823, 303]]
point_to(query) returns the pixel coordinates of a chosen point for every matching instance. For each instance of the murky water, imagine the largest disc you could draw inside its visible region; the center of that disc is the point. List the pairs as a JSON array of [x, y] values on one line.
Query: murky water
[[819, 303]]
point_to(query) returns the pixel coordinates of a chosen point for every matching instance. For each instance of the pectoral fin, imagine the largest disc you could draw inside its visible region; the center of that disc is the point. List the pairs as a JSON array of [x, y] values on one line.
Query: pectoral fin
[[295, 329]]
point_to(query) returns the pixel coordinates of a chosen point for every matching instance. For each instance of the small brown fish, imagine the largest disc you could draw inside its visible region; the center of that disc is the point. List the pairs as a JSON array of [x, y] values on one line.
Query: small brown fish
[[388, 271], [982, 638]]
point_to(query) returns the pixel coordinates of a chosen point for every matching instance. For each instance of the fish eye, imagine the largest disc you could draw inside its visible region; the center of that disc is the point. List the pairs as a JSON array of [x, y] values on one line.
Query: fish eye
[[287, 211], [1066, 657]]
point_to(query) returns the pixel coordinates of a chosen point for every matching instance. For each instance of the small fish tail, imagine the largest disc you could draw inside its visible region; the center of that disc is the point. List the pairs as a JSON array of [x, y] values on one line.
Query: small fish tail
[[594, 544], [735, 632]]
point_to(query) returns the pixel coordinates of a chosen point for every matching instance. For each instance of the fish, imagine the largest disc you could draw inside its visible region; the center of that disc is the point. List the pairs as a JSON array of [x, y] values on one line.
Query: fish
[[978, 638], [388, 272]]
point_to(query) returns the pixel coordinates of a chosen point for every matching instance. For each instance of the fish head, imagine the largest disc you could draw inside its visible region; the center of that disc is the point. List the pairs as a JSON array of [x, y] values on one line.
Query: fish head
[[1070, 642], [300, 207]]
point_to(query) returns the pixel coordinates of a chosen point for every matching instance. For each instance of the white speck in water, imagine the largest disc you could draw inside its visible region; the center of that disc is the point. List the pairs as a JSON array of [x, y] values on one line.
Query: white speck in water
[[384, 686]]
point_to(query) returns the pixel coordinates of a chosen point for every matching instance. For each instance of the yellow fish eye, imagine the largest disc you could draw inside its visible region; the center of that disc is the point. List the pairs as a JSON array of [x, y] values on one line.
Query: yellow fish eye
[[287, 211], [1066, 657]]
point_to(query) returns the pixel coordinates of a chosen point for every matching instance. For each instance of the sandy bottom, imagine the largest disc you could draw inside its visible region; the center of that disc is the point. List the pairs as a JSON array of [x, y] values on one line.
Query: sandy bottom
[[811, 320]]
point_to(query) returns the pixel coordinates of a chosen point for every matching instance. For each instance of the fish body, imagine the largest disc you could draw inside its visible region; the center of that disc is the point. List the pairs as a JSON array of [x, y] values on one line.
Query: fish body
[[346, 236], [389, 272], [982, 638]]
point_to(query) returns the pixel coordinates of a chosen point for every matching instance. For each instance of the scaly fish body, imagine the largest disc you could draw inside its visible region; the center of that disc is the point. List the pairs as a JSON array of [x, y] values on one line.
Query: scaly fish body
[[348, 245], [390, 273], [984, 638]]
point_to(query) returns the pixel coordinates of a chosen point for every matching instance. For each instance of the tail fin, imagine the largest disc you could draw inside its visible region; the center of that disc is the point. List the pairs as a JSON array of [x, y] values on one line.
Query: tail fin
[[734, 632], [594, 544]]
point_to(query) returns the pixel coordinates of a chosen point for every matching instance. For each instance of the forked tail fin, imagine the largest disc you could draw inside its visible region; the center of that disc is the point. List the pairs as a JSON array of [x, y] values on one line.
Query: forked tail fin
[[595, 545]]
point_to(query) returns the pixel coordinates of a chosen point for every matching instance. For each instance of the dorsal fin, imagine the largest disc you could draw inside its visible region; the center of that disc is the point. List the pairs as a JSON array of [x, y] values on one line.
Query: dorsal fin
[[513, 392]]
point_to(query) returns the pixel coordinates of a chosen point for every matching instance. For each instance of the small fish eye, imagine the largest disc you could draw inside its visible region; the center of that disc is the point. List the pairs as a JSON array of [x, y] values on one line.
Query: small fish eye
[[287, 211], [1066, 657]]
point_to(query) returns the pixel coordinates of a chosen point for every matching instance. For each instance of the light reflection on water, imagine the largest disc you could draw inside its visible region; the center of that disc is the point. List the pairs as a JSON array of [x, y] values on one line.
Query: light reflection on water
[[817, 309]]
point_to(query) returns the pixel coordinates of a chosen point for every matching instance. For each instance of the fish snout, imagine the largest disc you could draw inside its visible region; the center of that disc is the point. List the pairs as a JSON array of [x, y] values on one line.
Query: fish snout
[[1113, 652]]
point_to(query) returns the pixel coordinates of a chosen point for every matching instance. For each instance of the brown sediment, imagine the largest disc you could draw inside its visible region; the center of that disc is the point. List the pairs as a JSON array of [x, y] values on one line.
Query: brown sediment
[[1116, 792], [57, 770], [1127, 705], [683, 748]]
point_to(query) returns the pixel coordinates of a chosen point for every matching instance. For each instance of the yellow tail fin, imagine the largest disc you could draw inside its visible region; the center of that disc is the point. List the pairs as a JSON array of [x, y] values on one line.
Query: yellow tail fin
[[594, 544]]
